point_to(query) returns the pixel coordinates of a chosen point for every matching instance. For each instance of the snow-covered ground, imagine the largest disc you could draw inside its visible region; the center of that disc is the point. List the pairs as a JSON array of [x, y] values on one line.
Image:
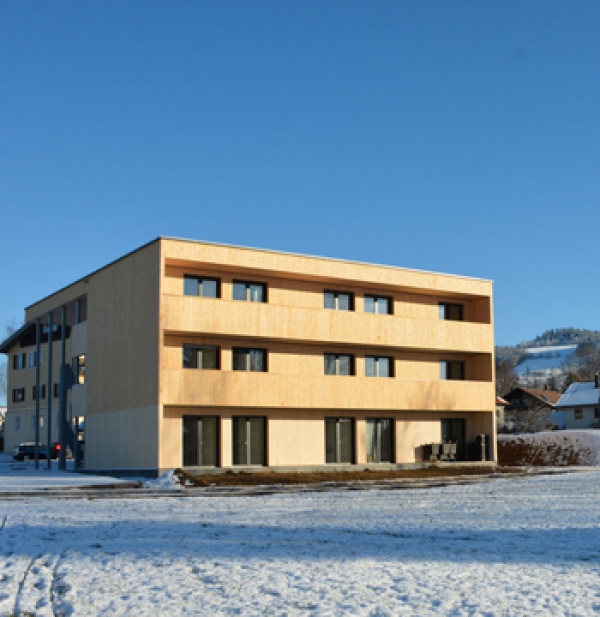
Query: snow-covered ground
[[515, 546], [22, 476], [540, 360]]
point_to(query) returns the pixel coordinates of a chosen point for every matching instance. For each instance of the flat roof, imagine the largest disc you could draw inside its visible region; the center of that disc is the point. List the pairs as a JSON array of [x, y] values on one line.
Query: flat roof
[[258, 250], [320, 257]]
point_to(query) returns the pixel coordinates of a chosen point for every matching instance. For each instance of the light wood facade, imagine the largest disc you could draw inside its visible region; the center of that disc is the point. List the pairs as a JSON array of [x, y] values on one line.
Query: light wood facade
[[138, 397]]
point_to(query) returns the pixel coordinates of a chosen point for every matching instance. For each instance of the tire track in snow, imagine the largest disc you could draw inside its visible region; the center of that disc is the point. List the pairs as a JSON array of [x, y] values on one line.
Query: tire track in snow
[[34, 594], [58, 589], [16, 607], [3, 522]]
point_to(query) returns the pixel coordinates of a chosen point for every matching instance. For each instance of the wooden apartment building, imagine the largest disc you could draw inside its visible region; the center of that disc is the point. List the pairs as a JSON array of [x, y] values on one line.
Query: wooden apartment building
[[194, 354]]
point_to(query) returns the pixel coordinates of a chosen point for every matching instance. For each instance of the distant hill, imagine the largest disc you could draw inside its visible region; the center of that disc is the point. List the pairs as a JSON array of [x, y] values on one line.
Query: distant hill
[[559, 337]]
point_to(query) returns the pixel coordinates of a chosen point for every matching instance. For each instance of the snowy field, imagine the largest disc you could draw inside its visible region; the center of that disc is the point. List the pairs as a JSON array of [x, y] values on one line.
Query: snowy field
[[520, 546]]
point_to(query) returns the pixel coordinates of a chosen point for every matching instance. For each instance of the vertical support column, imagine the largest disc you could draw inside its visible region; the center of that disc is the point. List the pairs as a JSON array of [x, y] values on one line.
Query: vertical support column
[[62, 390], [38, 328], [49, 393]]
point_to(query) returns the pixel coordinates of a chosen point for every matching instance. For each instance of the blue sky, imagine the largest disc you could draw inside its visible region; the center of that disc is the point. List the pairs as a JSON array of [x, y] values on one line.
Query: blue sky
[[460, 137]]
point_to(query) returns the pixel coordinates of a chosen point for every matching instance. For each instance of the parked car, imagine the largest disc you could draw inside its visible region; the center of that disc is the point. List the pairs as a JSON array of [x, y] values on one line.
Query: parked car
[[26, 452]]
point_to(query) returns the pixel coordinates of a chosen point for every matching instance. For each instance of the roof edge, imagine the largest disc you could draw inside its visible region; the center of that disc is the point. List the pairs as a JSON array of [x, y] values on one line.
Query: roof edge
[[110, 263], [336, 259]]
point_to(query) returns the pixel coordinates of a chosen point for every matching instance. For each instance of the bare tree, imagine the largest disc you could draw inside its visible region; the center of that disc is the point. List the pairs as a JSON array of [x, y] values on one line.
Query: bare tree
[[588, 361], [4, 366], [506, 378], [533, 418]]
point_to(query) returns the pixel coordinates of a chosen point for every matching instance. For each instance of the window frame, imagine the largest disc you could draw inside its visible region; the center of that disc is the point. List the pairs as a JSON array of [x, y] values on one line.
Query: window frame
[[444, 372], [391, 366], [19, 361], [248, 289], [18, 394], [248, 359], [336, 293], [337, 357], [200, 348], [376, 298], [338, 450], [445, 307], [199, 280], [32, 358], [79, 369], [246, 421], [198, 422], [42, 392], [377, 424]]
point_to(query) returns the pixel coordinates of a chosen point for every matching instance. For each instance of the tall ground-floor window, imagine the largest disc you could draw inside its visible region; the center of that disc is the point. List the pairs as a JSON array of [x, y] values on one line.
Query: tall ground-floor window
[[339, 440], [200, 441], [453, 429], [380, 440], [249, 442]]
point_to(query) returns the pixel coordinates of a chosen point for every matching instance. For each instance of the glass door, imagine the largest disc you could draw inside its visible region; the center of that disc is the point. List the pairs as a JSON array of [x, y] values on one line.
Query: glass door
[[339, 440], [380, 440], [200, 441], [249, 441], [453, 429]]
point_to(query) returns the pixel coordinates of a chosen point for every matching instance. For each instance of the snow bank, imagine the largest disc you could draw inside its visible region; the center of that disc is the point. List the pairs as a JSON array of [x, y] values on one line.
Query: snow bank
[[555, 448]]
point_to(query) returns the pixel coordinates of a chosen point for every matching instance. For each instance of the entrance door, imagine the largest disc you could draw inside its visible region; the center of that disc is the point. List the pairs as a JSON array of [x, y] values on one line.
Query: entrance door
[[200, 441], [453, 429], [380, 440], [249, 441], [339, 440]]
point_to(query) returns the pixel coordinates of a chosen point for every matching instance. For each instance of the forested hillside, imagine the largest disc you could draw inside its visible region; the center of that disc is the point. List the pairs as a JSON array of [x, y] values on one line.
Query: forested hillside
[[554, 337]]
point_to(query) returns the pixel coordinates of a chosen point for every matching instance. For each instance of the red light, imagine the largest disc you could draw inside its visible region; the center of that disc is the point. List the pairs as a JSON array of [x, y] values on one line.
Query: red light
[[58, 446]]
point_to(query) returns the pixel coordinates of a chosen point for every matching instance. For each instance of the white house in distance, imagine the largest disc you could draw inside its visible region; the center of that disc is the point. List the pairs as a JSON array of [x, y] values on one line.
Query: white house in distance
[[581, 404]]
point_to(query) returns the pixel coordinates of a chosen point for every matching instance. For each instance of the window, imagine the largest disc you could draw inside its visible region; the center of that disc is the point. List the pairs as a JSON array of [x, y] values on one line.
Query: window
[[254, 360], [376, 366], [249, 292], [200, 441], [579, 414], [378, 304], [201, 286], [597, 413], [249, 441], [56, 390], [339, 364], [380, 440], [451, 312], [42, 392], [79, 368], [17, 424], [339, 300], [339, 440], [452, 370], [18, 395], [203, 357], [31, 359], [18, 361], [453, 430]]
